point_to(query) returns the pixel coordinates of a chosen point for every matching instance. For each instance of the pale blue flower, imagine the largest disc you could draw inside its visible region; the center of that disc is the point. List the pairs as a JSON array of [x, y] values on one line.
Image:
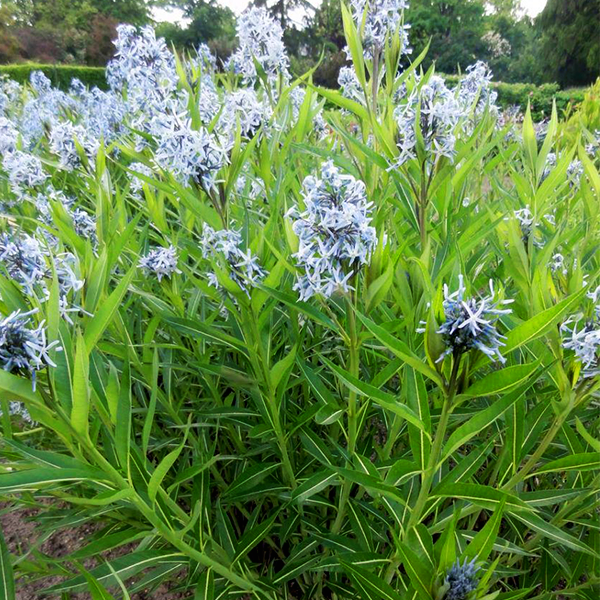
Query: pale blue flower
[[334, 231], [470, 323], [160, 261]]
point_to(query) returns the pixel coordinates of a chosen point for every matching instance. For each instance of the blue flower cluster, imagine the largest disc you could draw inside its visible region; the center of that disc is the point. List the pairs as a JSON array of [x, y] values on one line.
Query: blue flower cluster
[[261, 40], [377, 19], [188, 153], [440, 113], [461, 579], [470, 323], [162, 262], [25, 171], [24, 349], [243, 266], [334, 230], [585, 343], [29, 264]]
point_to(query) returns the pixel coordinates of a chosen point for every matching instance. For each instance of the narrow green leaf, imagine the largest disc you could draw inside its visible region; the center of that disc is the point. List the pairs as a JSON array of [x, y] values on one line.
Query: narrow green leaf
[[540, 323], [500, 381], [484, 418], [205, 590], [124, 567], [103, 317], [418, 570], [162, 469], [370, 586], [253, 536], [400, 349], [483, 543], [37, 478], [313, 485], [385, 400], [482, 495], [7, 578], [123, 426], [80, 389], [586, 461], [536, 523]]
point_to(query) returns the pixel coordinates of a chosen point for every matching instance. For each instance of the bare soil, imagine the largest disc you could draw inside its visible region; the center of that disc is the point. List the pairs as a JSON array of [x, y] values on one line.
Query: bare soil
[[20, 534]]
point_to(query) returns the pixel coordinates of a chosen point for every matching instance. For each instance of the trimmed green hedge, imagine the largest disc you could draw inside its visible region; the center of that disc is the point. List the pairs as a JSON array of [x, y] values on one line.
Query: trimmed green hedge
[[59, 75], [540, 96], [508, 93]]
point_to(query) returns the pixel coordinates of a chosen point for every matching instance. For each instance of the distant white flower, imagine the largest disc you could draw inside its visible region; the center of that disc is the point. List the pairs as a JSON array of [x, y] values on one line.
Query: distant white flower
[[440, 113], [526, 220], [19, 409], [349, 84], [24, 171], [475, 93], [497, 45], [188, 153], [24, 260], [64, 138], [377, 19], [136, 184], [244, 108], [585, 343], [593, 147], [558, 264], [8, 136], [261, 40], [574, 173]]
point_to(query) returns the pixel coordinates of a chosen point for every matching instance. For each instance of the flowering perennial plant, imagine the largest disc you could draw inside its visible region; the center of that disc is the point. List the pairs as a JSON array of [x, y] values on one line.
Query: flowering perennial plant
[[187, 153], [440, 113], [244, 268], [461, 579], [378, 19], [160, 261], [471, 324], [261, 40], [334, 231], [23, 348], [289, 434], [585, 342]]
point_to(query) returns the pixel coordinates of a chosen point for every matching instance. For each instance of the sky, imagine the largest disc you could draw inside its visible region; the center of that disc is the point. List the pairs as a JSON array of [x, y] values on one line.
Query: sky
[[531, 7]]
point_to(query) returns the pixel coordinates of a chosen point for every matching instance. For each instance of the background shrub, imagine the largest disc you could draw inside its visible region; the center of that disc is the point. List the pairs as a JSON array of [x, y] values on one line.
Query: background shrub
[[59, 75]]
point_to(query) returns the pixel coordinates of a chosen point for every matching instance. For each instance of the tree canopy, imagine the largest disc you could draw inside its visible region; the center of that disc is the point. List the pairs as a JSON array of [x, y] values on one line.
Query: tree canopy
[[562, 45], [570, 40]]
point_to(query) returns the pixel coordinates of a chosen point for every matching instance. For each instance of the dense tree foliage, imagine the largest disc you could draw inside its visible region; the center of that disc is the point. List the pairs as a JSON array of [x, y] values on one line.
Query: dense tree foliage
[[570, 40], [562, 45], [65, 30]]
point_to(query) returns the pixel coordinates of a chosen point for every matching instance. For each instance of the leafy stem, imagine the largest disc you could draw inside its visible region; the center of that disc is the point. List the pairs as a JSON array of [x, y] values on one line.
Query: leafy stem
[[352, 412], [434, 456]]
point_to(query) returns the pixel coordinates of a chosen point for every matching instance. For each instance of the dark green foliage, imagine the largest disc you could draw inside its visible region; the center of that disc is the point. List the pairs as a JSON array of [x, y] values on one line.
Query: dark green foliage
[[59, 75], [209, 23], [570, 42], [455, 28], [540, 97]]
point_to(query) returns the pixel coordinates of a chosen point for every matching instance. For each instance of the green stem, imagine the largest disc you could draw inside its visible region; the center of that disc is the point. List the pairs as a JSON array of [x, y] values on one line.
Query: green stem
[[352, 415], [535, 457], [436, 449], [166, 533], [288, 469], [434, 456]]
